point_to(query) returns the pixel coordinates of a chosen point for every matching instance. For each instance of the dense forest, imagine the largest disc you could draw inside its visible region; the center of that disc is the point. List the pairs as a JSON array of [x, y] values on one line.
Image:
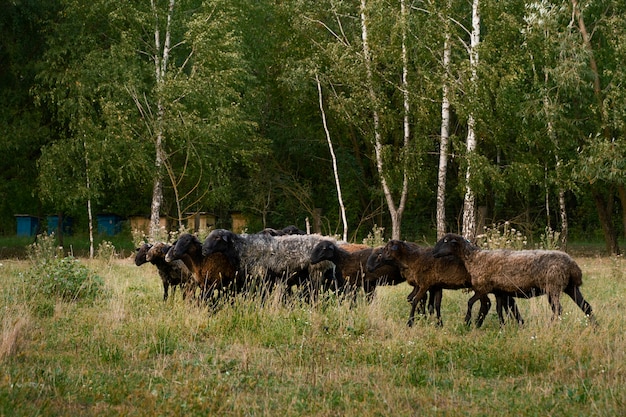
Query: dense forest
[[417, 116]]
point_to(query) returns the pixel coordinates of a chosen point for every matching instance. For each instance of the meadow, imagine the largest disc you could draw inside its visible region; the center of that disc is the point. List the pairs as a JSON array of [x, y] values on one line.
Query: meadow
[[129, 353]]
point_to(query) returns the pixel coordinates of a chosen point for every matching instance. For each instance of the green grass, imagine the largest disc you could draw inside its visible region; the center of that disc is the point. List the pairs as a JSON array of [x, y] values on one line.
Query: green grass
[[129, 353]]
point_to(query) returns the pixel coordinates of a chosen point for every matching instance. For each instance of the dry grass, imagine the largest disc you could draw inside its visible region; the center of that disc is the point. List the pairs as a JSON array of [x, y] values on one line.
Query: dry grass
[[130, 353]]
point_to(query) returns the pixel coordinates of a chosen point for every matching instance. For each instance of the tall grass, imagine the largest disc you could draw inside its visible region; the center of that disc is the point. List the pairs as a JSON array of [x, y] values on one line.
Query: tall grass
[[130, 353]]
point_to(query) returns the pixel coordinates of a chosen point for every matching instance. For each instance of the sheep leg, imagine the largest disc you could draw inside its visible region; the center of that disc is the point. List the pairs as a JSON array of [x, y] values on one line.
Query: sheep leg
[[500, 301], [416, 299], [421, 306], [512, 310], [555, 304], [166, 286], [435, 304], [485, 305], [470, 304], [575, 294]]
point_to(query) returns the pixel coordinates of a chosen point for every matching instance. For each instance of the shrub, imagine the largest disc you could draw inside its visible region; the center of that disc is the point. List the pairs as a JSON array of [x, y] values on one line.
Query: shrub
[[376, 237], [66, 278], [106, 251], [54, 276], [502, 236]]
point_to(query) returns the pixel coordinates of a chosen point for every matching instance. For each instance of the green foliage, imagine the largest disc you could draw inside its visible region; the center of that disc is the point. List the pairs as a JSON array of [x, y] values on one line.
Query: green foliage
[[106, 251], [502, 236], [376, 237], [52, 276], [66, 278]]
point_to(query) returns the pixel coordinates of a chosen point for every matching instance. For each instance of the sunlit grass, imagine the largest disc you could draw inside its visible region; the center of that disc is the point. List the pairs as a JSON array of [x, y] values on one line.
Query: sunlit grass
[[130, 353]]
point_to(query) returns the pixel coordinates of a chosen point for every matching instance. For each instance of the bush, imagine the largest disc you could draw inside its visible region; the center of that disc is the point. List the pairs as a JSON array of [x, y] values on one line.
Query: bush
[[66, 278], [54, 276]]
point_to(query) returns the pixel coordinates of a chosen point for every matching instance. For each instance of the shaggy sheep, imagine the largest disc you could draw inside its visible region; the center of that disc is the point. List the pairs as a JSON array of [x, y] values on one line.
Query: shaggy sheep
[[271, 259], [375, 261], [351, 266], [423, 271], [289, 230], [524, 273], [174, 274], [211, 273]]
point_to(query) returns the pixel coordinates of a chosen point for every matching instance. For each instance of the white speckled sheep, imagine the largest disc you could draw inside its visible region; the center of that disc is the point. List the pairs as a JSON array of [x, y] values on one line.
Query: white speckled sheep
[[272, 259]]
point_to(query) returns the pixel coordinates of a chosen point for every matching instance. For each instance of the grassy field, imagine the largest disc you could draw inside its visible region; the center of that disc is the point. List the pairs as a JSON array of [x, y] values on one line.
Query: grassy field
[[129, 353]]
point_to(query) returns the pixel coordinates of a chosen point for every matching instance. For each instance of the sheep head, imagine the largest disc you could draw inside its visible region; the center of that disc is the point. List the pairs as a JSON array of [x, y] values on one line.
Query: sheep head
[[394, 253], [293, 230], [375, 260], [183, 245], [157, 251], [140, 254], [219, 240], [323, 251], [453, 245]]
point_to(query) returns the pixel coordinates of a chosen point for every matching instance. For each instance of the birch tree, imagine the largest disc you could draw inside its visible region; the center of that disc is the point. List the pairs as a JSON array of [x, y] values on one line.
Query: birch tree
[[469, 204], [342, 208], [394, 211], [445, 132]]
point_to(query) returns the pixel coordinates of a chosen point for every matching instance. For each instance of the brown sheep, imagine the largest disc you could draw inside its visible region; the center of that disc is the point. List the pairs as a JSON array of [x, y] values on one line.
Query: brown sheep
[[423, 271], [351, 266], [212, 273], [174, 274], [524, 273]]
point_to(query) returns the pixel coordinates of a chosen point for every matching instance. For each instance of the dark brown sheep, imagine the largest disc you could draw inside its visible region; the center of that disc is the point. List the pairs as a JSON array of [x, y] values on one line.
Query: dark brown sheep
[[423, 271], [172, 274], [211, 273], [351, 266], [523, 273]]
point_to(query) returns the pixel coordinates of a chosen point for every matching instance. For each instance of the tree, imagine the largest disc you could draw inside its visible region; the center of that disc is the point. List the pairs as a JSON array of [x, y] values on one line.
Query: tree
[[469, 205], [445, 129]]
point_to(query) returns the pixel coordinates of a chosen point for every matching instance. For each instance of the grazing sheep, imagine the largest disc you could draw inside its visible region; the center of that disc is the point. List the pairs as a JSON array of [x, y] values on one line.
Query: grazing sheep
[[524, 273], [423, 271], [351, 266], [174, 274], [271, 259], [212, 272]]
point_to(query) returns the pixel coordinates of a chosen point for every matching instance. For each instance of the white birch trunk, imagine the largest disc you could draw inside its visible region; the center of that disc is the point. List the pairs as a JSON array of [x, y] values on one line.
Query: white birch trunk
[[89, 211], [469, 205], [396, 213], [334, 159], [445, 135], [161, 58]]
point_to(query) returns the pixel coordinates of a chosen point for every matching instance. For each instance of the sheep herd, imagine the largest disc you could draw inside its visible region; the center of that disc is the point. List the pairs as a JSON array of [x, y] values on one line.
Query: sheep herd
[[226, 264]]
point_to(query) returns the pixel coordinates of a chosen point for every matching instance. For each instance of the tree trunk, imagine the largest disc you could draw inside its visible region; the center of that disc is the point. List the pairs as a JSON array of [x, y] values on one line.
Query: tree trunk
[[469, 204], [604, 213], [621, 191], [396, 213], [334, 159], [445, 135], [564, 222], [161, 58]]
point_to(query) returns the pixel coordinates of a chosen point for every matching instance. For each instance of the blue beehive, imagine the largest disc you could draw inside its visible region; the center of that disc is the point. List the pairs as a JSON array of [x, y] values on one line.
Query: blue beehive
[[53, 224], [27, 225], [109, 224]]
